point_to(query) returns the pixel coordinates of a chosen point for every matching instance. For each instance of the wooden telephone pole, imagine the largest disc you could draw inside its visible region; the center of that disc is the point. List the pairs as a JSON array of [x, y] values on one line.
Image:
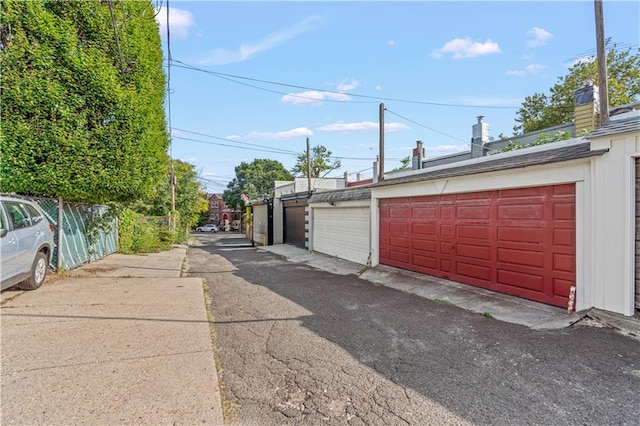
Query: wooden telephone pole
[[602, 63]]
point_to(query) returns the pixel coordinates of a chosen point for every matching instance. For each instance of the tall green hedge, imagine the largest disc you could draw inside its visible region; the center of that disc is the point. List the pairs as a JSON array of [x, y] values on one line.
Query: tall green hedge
[[82, 100]]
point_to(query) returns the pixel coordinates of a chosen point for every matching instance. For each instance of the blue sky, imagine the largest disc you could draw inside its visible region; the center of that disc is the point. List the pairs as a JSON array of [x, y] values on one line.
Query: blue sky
[[255, 79]]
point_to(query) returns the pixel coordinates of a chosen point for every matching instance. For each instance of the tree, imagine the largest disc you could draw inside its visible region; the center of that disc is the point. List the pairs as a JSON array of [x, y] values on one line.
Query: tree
[[255, 180], [404, 163], [190, 202], [321, 163], [541, 111], [82, 100]]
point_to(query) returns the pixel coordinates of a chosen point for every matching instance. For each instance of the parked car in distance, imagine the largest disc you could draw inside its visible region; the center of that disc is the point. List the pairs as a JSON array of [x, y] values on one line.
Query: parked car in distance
[[26, 243], [209, 227]]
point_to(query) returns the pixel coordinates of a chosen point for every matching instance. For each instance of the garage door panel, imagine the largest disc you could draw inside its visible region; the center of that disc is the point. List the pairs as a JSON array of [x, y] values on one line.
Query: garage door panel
[[474, 232], [424, 245], [517, 241], [520, 234], [535, 191], [521, 257], [398, 228], [471, 270], [344, 233], [563, 262], [473, 251], [424, 229], [399, 256], [521, 212], [424, 212], [473, 212], [426, 261], [564, 211], [522, 280], [564, 237]]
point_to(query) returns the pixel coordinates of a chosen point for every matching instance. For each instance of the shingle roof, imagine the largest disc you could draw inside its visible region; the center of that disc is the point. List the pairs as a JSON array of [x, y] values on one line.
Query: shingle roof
[[538, 157], [349, 194], [613, 127]]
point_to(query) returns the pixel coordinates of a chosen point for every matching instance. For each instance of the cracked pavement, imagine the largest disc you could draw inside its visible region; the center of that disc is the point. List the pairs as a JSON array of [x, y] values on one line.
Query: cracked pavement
[[296, 345]]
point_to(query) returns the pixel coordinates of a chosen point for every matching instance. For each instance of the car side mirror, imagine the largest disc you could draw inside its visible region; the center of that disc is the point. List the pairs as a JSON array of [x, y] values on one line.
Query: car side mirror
[[3, 233]]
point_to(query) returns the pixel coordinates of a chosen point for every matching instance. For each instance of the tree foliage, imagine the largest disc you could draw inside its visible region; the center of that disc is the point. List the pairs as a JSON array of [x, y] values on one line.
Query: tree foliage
[[542, 139], [540, 111], [255, 180], [404, 163], [82, 100], [320, 160], [190, 200]]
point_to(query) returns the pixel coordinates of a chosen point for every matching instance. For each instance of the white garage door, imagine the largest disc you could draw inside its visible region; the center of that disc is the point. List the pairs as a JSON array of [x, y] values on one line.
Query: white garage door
[[342, 232]]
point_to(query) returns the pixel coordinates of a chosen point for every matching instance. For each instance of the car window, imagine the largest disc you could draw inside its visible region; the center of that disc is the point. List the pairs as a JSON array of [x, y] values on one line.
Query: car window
[[3, 221], [36, 216], [18, 215]]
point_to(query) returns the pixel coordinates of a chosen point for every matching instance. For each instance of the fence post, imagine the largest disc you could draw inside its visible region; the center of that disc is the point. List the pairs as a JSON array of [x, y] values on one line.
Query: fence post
[[60, 234]]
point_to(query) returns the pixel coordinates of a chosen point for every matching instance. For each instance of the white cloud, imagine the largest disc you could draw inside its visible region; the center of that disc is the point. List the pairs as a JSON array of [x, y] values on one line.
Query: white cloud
[[529, 69], [234, 137], [288, 134], [362, 126], [346, 85], [180, 21], [538, 37], [378, 88], [247, 50], [461, 48], [392, 43], [313, 97]]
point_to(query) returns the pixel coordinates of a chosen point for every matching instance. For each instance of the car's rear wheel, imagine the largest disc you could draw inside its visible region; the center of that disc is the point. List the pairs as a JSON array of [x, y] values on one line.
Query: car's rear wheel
[[38, 273]]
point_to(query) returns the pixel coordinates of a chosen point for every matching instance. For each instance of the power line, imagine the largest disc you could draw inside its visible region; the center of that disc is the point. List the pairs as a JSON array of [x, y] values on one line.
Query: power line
[[234, 146], [283, 151], [230, 77], [426, 127], [274, 91]]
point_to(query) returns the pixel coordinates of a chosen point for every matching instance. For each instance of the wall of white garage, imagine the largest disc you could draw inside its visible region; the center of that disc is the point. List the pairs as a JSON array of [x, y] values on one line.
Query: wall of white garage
[[341, 229]]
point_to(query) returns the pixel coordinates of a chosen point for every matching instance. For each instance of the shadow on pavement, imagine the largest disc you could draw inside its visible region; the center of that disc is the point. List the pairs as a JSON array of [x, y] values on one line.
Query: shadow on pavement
[[482, 369]]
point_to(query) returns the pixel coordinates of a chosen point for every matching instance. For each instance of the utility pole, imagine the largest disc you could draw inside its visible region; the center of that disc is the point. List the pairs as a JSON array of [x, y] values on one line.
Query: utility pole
[[381, 163], [308, 167], [602, 63]]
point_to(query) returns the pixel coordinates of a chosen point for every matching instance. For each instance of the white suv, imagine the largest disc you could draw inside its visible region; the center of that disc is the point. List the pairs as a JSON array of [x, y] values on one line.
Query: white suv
[[26, 243]]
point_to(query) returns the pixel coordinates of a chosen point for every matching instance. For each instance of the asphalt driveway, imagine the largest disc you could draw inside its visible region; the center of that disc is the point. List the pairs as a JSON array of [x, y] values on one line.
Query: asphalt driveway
[[297, 345]]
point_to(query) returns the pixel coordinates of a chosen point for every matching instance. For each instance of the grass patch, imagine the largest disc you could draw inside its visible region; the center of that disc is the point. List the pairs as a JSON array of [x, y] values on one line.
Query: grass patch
[[441, 301], [364, 269], [487, 315]]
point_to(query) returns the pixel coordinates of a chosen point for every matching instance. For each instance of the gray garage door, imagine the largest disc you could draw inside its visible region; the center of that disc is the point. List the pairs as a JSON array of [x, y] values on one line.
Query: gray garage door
[[294, 226]]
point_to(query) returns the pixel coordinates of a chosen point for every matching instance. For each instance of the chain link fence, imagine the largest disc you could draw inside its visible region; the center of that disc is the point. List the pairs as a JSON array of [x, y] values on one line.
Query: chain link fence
[[72, 236]]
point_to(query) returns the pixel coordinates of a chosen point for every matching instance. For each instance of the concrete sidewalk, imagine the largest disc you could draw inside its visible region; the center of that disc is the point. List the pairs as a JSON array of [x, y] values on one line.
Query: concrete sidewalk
[[123, 340]]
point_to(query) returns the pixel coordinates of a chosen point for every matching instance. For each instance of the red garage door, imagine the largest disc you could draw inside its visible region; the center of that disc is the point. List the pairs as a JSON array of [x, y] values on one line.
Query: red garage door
[[515, 241]]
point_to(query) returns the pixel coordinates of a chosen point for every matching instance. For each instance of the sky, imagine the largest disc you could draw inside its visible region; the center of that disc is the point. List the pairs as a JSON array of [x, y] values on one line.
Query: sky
[[250, 80]]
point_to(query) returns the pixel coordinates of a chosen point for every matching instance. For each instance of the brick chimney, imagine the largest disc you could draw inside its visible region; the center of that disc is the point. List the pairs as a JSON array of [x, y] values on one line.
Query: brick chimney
[[587, 109], [480, 138], [417, 157]]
